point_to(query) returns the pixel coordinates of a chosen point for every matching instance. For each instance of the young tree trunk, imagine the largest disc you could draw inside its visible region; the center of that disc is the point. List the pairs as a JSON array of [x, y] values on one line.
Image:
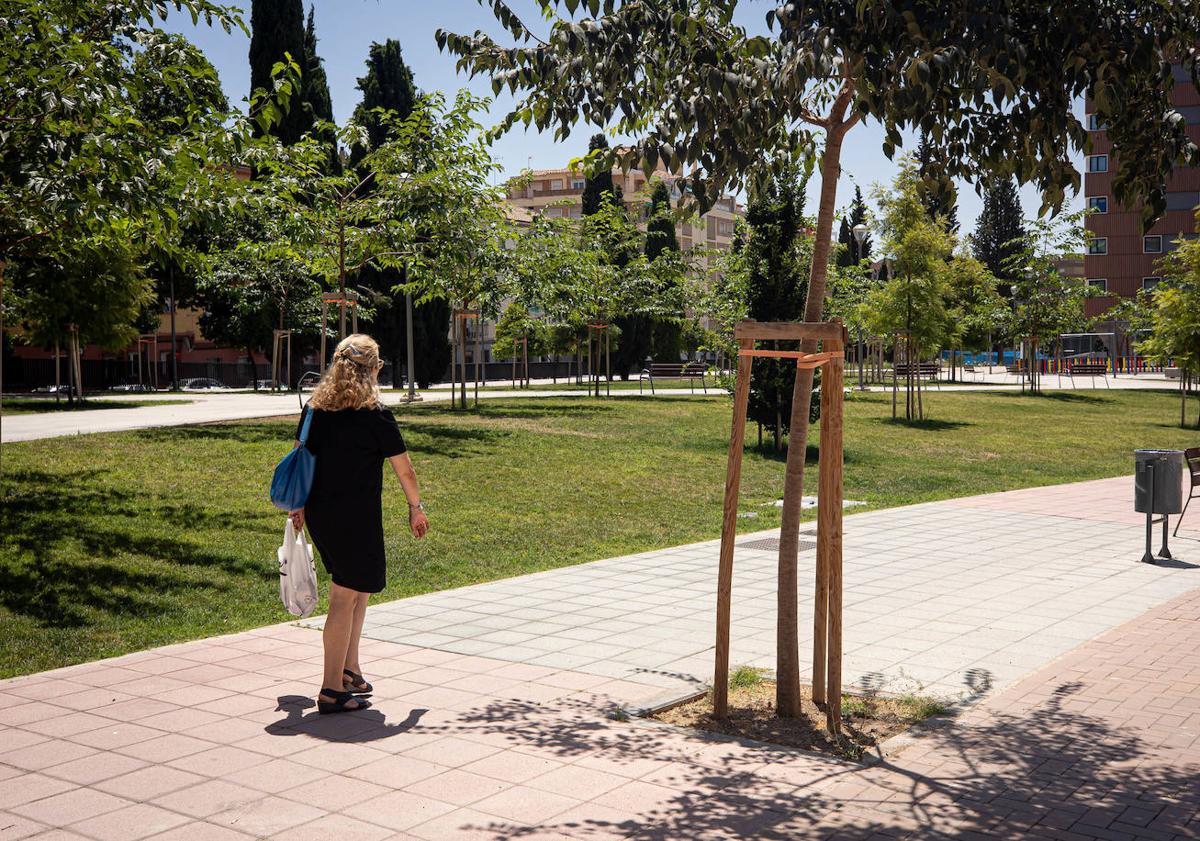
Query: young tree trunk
[[453, 359], [920, 401], [787, 667], [462, 380]]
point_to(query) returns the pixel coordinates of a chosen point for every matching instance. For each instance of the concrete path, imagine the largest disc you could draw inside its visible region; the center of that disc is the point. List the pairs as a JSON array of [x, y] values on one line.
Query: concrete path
[[954, 598], [217, 739], [211, 408]]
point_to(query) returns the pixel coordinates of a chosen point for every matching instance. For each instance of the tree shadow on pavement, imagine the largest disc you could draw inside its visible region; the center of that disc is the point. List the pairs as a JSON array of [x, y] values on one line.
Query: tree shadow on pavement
[[1045, 772]]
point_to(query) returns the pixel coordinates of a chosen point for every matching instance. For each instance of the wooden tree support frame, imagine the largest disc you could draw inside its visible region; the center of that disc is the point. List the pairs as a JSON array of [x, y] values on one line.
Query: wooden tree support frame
[[827, 607], [598, 330], [459, 319], [147, 348], [342, 302], [281, 339]]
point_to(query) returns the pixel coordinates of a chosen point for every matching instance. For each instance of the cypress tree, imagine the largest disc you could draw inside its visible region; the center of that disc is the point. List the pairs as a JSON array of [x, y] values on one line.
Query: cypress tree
[[778, 285], [388, 84], [314, 92], [853, 252], [276, 28], [1000, 223], [594, 187], [642, 336]]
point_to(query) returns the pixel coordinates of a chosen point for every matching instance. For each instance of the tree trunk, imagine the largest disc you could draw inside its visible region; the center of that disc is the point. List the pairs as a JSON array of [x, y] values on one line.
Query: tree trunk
[[787, 667], [454, 320], [462, 380]]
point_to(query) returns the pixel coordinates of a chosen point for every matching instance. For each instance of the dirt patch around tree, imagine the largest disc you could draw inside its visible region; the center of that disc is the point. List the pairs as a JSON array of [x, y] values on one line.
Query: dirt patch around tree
[[866, 720]]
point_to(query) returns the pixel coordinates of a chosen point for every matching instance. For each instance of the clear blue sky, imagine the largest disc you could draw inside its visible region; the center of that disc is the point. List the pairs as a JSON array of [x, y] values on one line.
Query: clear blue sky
[[346, 28]]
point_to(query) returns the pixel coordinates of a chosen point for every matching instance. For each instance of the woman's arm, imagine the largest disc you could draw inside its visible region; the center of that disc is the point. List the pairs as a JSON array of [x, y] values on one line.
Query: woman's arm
[[403, 466]]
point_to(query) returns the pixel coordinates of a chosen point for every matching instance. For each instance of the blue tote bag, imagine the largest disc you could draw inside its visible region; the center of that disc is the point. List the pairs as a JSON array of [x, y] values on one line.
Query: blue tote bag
[[294, 475]]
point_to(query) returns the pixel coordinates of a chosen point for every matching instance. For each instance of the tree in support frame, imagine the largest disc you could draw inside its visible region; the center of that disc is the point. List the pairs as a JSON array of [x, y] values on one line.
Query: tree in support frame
[[827, 609]]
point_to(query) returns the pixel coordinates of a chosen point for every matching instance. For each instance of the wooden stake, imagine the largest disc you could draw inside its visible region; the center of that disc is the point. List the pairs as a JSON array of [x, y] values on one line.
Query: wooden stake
[[829, 531], [733, 475], [821, 585]]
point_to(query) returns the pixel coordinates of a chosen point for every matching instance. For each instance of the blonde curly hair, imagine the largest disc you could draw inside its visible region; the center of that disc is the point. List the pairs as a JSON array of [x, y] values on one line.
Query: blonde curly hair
[[349, 381]]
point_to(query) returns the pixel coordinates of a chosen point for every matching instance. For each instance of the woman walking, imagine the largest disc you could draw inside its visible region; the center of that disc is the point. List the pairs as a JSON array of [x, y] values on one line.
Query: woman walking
[[351, 435]]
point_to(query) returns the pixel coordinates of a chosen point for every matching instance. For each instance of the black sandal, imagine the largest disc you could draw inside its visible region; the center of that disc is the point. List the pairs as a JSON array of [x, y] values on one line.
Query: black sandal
[[358, 682], [338, 704]]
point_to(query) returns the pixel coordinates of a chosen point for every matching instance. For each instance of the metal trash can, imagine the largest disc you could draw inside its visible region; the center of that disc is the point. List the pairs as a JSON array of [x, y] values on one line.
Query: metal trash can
[[1158, 481], [1158, 489]]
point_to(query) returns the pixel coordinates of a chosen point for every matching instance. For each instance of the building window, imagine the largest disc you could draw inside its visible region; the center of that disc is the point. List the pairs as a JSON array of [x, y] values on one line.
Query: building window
[[1097, 163], [1150, 282], [1152, 245], [1098, 204], [1183, 200], [556, 184], [1098, 246], [1100, 284], [577, 184], [1094, 124]]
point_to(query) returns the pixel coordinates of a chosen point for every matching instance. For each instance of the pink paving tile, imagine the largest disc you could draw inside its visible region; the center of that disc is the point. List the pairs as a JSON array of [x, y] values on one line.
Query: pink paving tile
[[68, 724], [277, 744], [44, 754], [8, 771], [572, 680], [458, 787], [266, 817], [451, 751], [637, 797], [149, 782], [207, 798], [487, 685], [13, 827], [236, 704], [110, 676], [22, 715], [522, 803], [512, 767], [46, 690], [632, 764], [29, 787], [203, 674], [193, 695], [201, 832], [61, 835], [396, 771], [70, 806], [577, 782], [339, 827], [593, 821], [93, 700], [276, 775], [468, 825], [398, 810], [165, 748], [334, 792], [158, 664], [90, 770], [218, 761], [7, 700], [179, 719], [337, 757], [130, 823], [442, 697], [246, 682], [226, 731], [115, 734], [13, 738]]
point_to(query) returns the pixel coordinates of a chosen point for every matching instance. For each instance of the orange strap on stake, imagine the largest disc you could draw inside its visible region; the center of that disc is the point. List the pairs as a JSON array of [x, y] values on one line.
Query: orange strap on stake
[[803, 360]]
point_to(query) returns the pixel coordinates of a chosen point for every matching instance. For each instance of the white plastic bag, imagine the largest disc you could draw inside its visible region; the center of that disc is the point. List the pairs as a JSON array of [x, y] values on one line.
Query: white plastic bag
[[297, 573]]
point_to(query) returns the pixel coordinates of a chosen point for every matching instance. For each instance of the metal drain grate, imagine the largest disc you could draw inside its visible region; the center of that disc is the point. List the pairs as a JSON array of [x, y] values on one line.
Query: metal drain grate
[[771, 544]]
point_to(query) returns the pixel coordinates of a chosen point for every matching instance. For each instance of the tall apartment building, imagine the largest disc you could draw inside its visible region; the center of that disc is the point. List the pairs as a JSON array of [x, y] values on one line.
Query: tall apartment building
[[1121, 259], [564, 189]]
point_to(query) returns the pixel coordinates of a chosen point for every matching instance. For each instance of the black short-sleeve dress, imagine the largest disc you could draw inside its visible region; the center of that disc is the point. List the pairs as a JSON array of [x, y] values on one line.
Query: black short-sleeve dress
[[344, 511]]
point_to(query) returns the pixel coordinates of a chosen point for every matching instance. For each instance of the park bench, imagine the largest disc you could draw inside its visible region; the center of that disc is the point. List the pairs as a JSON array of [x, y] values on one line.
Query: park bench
[[926, 370], [690, 371], [1088, 369]]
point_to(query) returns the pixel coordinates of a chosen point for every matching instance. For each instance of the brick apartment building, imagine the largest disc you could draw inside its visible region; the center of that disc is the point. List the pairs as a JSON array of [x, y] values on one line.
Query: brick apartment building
[[1121, 259]]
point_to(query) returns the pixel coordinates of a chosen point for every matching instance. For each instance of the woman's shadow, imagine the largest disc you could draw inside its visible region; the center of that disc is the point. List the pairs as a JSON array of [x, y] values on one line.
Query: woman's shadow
[[368, 725]]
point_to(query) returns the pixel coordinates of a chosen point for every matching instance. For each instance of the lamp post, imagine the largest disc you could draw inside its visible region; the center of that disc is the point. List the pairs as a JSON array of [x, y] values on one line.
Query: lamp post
[[860, 234]]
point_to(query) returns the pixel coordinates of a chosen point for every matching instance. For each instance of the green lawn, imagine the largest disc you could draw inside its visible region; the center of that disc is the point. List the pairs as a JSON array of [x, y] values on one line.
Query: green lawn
[[38, 405], [115, 542]]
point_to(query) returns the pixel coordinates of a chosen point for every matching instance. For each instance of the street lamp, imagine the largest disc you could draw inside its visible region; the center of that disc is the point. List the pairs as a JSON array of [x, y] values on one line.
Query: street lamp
[[860, 233]]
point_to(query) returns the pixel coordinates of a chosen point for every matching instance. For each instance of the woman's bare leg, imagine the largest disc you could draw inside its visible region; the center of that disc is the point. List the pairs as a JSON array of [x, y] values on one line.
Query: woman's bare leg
[[360, 614], [336, 636]]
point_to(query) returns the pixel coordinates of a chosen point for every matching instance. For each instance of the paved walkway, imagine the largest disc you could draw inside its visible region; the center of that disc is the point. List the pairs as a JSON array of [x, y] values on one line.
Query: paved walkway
[[210, 408], [216, 741], [954, 598]]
